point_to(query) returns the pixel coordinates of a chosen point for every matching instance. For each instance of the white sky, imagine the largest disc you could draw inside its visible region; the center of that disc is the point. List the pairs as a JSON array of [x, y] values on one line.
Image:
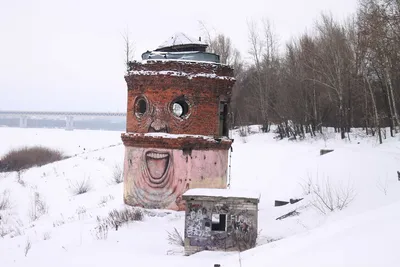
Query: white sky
[[68, 54]]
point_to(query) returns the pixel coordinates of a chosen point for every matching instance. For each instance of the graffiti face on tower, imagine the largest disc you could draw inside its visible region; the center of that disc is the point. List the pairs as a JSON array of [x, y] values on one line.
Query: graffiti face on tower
[[174, 139], [157, 178], [155, 113]]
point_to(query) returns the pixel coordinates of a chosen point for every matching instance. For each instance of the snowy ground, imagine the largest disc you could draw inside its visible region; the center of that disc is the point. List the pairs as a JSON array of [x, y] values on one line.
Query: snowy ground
[[363, 234]]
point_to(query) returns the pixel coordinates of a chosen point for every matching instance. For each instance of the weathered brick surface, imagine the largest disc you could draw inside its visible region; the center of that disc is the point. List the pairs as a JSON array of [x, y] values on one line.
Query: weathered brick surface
[[185, 143], [202, 94]]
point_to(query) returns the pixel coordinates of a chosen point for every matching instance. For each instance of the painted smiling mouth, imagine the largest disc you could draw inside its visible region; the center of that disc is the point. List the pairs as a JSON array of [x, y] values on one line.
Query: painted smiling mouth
[[157, 164]]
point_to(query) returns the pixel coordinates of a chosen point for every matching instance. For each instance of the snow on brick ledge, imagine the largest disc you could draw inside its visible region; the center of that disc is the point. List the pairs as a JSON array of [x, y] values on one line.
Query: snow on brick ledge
[[174, 136], [181, 74], [189, 70], [175, 141], [224, 193]]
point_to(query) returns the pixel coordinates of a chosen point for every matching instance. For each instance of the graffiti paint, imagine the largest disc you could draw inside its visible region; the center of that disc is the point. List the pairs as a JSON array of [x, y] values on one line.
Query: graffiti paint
[[221, 208], [170, 114], [198, 222], [157, 178], [241, 226]]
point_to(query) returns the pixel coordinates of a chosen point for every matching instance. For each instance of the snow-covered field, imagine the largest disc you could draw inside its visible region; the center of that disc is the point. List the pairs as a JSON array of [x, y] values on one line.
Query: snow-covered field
[[366, 233]]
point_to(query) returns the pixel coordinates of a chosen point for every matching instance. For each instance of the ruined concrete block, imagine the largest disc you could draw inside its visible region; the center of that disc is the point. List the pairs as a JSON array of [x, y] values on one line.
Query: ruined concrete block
[[325, 151], [279, 203], [220, 223]]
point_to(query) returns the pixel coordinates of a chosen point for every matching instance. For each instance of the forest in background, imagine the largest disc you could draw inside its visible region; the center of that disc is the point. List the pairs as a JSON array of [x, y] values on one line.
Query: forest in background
[[342, 74]]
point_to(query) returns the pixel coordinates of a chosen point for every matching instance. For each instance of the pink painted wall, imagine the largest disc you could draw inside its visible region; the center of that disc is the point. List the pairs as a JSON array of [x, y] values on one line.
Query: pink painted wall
[[157, 178]]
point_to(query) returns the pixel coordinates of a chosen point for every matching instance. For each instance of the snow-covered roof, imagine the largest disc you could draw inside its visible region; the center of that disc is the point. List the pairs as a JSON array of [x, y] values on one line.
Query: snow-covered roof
[[225, 193], [180, 38]]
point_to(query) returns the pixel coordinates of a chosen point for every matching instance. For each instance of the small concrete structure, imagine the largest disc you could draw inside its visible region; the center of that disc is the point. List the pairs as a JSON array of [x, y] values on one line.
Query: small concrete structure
[[220, 219], [325, 151]]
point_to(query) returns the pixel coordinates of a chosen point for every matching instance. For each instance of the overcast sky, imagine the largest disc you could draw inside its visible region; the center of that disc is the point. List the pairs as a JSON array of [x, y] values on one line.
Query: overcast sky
[[68, 54]]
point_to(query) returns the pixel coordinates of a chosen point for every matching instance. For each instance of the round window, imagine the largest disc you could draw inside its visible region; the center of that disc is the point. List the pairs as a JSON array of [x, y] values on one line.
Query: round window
[[180, 108], [140, 106]]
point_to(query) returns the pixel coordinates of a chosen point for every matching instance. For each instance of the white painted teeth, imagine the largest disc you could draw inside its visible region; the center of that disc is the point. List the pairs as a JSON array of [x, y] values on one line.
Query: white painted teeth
[[157, 155]]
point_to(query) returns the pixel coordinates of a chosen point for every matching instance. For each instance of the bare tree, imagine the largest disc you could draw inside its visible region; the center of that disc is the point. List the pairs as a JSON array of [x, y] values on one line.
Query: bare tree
[[263, 50], [342, 75], [128, 48], [221, 45], [380, 39]]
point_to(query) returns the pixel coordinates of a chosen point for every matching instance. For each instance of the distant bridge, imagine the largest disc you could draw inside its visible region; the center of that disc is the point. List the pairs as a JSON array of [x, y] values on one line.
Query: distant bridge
[[68, 115], [62, 113]]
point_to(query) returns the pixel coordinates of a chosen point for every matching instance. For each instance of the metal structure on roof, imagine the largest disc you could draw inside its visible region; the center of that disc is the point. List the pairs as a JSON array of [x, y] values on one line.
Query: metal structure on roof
[[182, 47], [180, 42]]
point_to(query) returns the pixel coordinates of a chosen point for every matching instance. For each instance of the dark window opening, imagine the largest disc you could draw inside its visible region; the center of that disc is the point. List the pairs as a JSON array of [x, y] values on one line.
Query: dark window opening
[[218, 222], [140, 106], [223, 123], [180, 108]]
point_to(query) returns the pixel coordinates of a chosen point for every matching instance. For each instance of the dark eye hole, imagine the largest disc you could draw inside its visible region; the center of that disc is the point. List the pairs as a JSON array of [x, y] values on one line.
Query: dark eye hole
[[140, 106], [180, 108]]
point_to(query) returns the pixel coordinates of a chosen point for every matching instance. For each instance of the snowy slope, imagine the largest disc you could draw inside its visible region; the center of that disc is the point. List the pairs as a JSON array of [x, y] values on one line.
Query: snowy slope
[[363, 234], [366, 239]]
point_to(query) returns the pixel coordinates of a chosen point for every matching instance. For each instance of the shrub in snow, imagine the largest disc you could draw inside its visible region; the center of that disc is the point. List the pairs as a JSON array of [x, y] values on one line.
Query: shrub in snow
[[9, 224], [175, 238], [5, 200], [105, 199], [19, 179], [58, 223], [46, 235], [326, 197], [383, 186], [101, 230], [81, 187], [117, 177], [115, 219], [38, 208], [81, 211], [101, 159], [4, 230], [27, 157], [15, 231], [28, 246], [243, 131]]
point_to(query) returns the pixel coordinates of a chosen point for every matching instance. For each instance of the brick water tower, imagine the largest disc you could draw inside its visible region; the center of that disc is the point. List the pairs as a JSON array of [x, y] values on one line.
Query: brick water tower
[[177, 134]]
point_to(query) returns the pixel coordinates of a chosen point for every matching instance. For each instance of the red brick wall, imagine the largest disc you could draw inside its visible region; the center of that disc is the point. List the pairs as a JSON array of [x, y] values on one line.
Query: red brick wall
[[188, 67], [201, 93]]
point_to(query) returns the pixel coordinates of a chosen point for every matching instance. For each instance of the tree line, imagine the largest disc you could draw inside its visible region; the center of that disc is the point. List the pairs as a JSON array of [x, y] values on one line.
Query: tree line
[[341, 75]]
